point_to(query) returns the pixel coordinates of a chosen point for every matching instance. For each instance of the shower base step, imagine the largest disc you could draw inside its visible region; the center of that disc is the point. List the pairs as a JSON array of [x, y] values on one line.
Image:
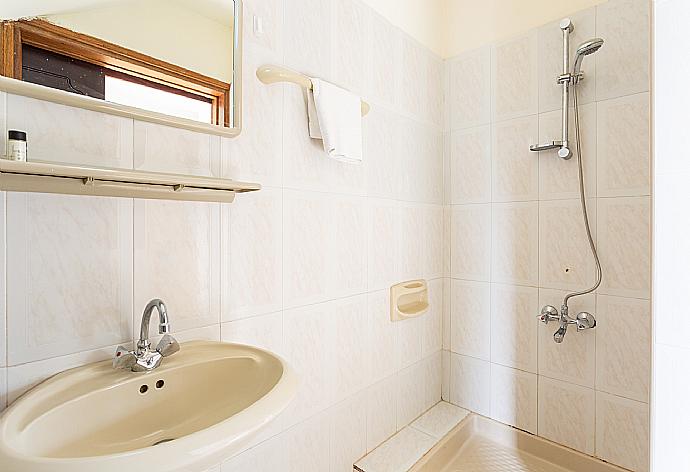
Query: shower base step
[[479, 444]]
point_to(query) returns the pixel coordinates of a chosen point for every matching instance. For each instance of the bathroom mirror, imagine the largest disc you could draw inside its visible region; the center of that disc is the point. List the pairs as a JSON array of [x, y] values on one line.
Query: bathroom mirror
[[174, 62]]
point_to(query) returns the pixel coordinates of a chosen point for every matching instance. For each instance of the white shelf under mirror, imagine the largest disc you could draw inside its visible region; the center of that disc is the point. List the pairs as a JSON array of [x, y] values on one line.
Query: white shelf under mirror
[[46, 177]]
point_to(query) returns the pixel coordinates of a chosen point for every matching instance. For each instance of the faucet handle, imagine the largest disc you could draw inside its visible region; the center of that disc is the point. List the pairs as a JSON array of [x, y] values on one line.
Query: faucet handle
[[549, 313], [124, 359], [168, 346]]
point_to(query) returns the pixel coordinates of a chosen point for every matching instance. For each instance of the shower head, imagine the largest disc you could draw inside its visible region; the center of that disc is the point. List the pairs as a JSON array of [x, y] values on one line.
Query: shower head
[[585, 49]]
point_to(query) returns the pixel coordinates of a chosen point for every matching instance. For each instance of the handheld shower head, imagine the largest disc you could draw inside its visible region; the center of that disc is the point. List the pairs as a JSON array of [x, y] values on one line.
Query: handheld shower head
[[585, 49]]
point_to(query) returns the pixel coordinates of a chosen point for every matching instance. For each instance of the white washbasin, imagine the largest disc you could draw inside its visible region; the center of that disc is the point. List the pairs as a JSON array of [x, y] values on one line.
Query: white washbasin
[[199, 407]]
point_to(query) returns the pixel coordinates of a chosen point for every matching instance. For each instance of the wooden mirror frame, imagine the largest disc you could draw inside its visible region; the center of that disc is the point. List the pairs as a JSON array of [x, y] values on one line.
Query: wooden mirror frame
[[225, 98]]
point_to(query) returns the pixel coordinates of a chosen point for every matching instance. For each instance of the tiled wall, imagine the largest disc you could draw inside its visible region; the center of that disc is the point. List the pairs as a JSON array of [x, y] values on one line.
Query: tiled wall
[[301, 267], [515, 238], [671, 387]]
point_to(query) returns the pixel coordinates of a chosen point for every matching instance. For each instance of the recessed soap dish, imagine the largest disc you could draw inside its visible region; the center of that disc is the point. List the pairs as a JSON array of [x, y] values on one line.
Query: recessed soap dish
[[409, 299]]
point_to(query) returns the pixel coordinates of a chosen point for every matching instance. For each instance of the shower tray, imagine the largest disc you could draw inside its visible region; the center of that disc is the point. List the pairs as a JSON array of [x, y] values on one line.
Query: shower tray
[[479, 444]]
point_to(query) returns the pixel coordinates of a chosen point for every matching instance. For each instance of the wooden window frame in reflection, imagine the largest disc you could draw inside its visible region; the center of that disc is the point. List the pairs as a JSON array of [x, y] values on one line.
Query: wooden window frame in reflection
[[125, 62]]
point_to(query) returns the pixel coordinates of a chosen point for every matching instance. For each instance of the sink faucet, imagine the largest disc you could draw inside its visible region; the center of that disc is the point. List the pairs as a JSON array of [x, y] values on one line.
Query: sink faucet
[[143, 358]]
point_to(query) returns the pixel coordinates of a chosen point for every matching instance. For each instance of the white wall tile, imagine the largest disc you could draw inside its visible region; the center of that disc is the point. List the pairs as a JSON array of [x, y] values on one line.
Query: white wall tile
[[351, 361], [266, 457], [470, 318], [515, 243], [253, 254], [470, 384], [350, 45], [348, 442], [433, 228], [574, 359], [558, 178], [400, 452], [470, 165], [384, 243], [412, 96], [469, 94], [565, 258], [382, 399], [514, 77], [3, 282], [470, 242], [308, 23], [264, 331], [386, 62], [514, 397], [71, 264], [440, 419], [572, 426], [431, 320], [623, 146], [307, 447], [515, 169], [165, 149], [382, 149], [514, 326], [59, 133], [551, 60], [177, 259], [623, 432], [623, 346], [384, 336], [622, 64], [623, 230], [411, 404]]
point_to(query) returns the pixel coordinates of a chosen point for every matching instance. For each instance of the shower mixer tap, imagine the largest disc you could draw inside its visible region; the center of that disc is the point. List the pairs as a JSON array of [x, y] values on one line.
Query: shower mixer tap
[[583, 320]]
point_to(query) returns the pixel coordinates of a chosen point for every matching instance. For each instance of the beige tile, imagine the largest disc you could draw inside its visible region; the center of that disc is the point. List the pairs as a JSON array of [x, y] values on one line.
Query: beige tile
[[440, 419], [382, 399], [623, 230], [161, 148], [252, 252], [383, 244], [59, 133], [431, 320], [623, 62], [623, 432], [515, 243], [351, 360], [412, 98], [514, 326], [623, 346], [470, 318], [514, 397], [565, 257], [399, 453], [572, 426], [382, 149], [470, 246], [469, 87], [177, 259], [623, 146], [470, 166], [515, 169], [574, 359], [268, 456], [71, 260], [551, 59], [558, 178], [470, 384], [433, 241], [514, 77]]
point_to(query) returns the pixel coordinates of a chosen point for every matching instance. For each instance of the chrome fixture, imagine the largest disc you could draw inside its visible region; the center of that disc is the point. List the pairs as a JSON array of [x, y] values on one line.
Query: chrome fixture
[[569, 80], [144, 359]]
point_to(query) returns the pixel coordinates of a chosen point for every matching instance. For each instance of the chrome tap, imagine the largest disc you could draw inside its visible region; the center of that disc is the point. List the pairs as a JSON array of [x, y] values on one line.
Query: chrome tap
[[143, 359], [583, 320]]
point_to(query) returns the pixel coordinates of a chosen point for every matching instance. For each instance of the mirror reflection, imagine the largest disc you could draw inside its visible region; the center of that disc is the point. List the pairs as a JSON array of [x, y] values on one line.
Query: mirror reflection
[[175, 57]]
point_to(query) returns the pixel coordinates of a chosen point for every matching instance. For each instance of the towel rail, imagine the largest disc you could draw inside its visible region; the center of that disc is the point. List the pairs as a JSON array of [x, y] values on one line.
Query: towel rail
[[271, 74]]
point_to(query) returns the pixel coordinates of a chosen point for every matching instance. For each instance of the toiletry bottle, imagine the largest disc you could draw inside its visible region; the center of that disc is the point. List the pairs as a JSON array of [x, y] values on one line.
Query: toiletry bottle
[[16, 146]]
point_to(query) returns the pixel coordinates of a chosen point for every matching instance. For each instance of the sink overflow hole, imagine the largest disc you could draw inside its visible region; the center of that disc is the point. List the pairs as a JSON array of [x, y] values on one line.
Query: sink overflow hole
[[160, 384], [163, 441], [143, 389]]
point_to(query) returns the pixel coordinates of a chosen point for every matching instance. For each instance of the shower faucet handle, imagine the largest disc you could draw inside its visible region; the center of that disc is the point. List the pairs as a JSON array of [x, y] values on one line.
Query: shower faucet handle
[[549, 313]]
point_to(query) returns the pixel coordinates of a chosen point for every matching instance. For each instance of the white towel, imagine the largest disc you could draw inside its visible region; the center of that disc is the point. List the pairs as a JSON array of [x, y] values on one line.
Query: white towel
[[335, 116]]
